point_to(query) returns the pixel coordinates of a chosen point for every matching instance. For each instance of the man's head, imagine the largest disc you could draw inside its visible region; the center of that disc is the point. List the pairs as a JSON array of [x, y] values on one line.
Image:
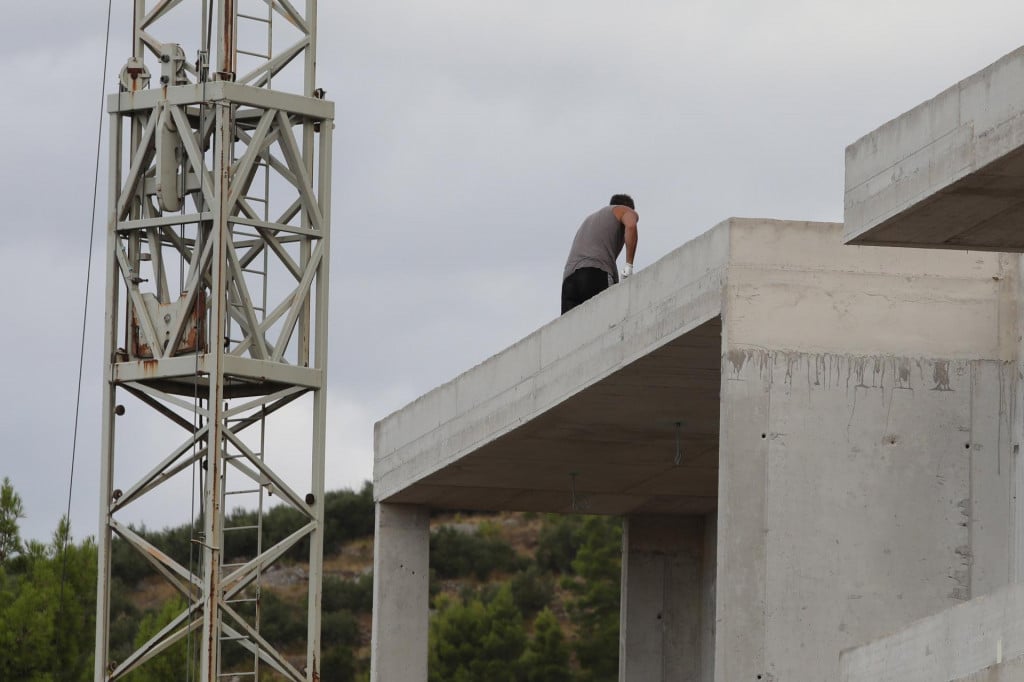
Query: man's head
[[622, 200]]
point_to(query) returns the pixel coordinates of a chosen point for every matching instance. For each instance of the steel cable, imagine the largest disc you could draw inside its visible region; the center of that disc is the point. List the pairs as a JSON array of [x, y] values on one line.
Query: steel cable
[[85, 316]]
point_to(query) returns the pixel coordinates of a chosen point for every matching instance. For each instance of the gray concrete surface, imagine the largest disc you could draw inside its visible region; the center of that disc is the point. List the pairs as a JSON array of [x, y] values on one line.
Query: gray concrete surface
[[844, 419], [864, 463], [589, 401], [980, 641], [401, 594], [1010, 671], [666, 599], [949, 173], [869, 476]]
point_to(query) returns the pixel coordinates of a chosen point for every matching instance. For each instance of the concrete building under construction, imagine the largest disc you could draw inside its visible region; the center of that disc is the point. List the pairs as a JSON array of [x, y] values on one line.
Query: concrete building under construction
[[814, 445]]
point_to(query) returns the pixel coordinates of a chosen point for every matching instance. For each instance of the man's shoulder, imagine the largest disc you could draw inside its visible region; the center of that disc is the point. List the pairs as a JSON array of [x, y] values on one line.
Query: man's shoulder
[[603, 211], [619, 211]]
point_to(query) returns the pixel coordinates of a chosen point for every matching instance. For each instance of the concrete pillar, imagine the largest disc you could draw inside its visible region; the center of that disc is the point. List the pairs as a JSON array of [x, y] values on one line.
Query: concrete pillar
[[740, 589], [708, 588], [664, 599], [1016, 435], [401, 595]]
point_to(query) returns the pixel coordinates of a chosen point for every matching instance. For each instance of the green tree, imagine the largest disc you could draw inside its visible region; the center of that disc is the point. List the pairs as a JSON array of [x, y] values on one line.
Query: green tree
[[532, 590], [11, 511], [47, 612], [505, 639], [124, 620], [339, 635], [283, 622], [546, 658], [476, 643], [26, 630], [73, 569], [172, 664], [558, 541], [594, 609], [455, 633], [339, 664], [454, 554], [348, 515], [354, 595]]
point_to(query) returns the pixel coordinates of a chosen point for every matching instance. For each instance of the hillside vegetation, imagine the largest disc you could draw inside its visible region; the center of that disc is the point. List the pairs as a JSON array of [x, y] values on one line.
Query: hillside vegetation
[[515, 597]]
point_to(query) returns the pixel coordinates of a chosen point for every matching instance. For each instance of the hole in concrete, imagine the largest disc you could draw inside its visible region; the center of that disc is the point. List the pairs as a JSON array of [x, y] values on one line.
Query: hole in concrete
[[967, 446], [763, 435]]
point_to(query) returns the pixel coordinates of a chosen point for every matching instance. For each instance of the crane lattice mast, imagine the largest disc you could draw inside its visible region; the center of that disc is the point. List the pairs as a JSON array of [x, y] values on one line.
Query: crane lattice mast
[[216, 323]]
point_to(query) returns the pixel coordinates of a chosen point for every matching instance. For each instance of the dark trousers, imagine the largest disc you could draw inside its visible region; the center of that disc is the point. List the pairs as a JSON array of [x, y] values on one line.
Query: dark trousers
[[582, 284]]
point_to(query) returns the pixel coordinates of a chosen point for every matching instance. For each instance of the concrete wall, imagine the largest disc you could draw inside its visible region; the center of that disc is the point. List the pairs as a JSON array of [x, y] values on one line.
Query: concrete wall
[[865, 459], [980, 641], [857, 495], [666, 629]]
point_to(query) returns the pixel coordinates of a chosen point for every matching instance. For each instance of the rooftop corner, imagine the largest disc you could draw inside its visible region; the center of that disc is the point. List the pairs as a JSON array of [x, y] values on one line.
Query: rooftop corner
[[949, 173]]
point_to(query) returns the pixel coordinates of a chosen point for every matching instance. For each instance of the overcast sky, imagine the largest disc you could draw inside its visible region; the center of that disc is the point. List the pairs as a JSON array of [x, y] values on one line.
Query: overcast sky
[[471, 138]]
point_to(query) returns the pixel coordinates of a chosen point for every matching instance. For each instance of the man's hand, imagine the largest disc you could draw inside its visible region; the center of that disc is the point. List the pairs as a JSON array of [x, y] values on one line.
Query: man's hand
[[627, 270]]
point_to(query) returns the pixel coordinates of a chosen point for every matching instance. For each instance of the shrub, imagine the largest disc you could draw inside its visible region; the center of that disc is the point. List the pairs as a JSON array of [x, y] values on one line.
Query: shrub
[[476, 642], [454, 554], [353, 595], [558, 542], [532, 590]]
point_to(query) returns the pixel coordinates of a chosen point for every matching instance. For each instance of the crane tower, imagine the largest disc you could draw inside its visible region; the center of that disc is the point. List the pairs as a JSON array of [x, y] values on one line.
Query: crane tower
[[216, 326]]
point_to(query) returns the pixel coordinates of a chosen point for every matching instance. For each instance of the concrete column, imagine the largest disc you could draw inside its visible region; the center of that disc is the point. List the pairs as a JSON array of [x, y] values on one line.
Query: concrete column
[[1016, 436], [663, 599], [708, 588], [740, 588], [401, 596]]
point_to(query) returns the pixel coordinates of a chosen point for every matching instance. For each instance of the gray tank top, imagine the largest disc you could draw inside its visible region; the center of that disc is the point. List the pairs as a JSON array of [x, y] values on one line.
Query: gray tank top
[[598, 243]]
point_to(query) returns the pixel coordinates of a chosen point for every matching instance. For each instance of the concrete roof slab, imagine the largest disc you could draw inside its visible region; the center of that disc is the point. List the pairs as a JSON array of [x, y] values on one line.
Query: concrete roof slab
[[615, 407], [593, 392], [948, 173]]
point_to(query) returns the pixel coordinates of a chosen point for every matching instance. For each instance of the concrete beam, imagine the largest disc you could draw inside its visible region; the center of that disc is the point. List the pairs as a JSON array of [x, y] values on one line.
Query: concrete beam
[[949, 173], [1011, 671], [979, 641], [794, 286]]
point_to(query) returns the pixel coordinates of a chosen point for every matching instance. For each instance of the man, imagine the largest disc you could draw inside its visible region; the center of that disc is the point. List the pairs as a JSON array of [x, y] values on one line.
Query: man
[[590, 268]]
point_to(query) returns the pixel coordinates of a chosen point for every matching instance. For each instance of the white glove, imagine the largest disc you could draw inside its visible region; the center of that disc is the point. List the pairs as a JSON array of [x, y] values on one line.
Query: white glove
[[627, 270]]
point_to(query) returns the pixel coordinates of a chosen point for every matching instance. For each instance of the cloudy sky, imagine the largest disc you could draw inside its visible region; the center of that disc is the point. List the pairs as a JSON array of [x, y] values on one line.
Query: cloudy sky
[[472, 136]]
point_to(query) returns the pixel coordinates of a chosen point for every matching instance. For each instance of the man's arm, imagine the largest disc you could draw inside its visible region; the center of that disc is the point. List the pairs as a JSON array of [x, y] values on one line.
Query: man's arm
[[629, 218]]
